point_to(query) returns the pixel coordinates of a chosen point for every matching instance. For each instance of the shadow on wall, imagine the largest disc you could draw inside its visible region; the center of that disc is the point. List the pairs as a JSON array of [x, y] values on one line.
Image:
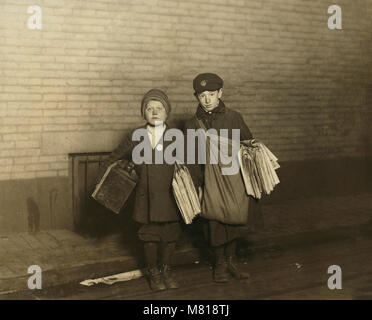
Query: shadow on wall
[[53, 194], [98, 222], [90, 218], [33, 216]]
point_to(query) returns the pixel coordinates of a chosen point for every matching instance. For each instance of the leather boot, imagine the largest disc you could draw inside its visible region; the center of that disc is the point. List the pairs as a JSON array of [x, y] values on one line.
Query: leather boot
[[235, 272], [220, 273], [155, 279], [168, 277]]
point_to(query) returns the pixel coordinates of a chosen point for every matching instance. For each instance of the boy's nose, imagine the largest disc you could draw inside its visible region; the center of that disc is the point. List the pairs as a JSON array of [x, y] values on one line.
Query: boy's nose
[[207, 99]]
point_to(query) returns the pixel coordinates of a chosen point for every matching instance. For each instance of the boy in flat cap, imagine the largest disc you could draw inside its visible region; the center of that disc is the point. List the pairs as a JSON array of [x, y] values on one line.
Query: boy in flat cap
[[214, 114], [155, 207]]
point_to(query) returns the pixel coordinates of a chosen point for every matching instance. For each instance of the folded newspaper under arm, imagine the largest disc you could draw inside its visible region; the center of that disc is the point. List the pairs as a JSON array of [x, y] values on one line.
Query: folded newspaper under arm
[[258, 167], [116, 185], [185, 193]]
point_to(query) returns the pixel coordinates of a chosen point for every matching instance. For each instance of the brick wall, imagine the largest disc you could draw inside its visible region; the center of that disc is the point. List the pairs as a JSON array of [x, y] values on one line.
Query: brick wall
[[75, 85], [369, 94]]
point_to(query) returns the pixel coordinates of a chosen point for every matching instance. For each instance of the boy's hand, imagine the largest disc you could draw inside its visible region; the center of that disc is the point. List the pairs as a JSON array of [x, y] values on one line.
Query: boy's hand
[[126, 165], [255, 143], [251, 143]]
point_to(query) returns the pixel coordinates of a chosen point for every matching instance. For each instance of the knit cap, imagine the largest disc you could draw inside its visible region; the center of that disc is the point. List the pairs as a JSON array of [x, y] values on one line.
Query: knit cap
[[158, 95]]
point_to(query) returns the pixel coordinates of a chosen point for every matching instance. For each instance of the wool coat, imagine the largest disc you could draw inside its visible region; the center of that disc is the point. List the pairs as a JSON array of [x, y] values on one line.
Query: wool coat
[[222, 117], [154, 200]]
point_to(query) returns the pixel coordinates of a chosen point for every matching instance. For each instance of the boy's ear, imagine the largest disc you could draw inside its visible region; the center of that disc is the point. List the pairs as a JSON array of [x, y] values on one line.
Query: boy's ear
[[196, 96], [220, 93]]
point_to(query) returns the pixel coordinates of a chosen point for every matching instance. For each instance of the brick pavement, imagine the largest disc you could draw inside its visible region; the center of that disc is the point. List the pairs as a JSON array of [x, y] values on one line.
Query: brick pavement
[[301, 215], [67, 257]]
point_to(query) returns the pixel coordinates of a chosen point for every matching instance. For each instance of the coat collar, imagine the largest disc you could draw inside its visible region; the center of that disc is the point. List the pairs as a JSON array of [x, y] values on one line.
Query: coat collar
[[202, 114], [166, 126], [161, 141]]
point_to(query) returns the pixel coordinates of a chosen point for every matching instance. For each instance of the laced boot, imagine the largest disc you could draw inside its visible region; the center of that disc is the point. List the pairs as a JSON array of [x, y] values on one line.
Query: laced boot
[[168, 277], [220, 273], [235, 272], [155, 279]]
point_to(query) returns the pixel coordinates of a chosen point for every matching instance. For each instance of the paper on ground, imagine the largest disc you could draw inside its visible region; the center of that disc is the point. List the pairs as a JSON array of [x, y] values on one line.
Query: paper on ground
[[125, 276]]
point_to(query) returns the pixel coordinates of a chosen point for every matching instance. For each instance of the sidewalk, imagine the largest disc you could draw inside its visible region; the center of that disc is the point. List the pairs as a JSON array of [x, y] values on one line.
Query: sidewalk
[[66, 257]]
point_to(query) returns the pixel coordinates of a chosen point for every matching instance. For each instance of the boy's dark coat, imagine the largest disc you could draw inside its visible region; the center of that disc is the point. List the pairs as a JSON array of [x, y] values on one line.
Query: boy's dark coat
[[220, 118], [218, 233], [154, 201]]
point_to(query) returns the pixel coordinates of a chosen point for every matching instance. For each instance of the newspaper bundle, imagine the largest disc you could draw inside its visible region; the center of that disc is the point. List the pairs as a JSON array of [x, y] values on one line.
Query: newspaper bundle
[[258, 165], [185, 193]]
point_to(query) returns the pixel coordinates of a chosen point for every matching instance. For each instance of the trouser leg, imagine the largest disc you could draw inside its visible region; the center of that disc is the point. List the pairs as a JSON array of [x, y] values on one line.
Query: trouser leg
[[219, 254], [230, 248], [153, 272], [168, 275], [230, 252], [151, 254], [167, 252], [220, 273]]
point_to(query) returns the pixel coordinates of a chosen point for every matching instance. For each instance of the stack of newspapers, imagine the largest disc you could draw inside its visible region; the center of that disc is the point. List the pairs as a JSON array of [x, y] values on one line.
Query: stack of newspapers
[[185, 193], [258, 165]]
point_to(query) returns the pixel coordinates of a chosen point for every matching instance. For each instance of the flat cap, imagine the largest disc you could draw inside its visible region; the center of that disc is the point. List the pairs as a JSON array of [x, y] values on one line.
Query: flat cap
[[207, 82]]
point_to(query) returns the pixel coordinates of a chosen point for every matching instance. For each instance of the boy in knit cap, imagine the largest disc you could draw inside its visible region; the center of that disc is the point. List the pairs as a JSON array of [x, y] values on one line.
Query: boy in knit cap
[[214, 114], [155, 207]]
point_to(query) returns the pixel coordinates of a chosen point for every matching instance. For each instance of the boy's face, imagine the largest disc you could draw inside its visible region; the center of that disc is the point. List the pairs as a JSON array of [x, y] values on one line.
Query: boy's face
[[155, 112], [210, 99]]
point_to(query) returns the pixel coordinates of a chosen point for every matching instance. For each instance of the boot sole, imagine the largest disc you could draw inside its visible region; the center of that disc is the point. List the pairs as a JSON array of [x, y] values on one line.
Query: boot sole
[[157, 290], [221, 281]]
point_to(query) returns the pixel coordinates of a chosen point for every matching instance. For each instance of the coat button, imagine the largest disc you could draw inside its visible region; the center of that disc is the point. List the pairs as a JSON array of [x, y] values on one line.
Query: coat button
[[159, 147]]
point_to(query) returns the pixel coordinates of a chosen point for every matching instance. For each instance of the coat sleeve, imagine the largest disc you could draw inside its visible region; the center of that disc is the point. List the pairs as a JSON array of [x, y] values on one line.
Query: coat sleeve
[[245, 133], [122, 151], [196, 170]]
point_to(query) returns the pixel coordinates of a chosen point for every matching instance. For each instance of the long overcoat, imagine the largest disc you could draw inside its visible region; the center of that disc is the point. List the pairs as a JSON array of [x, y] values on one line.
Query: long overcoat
[[222, 117], [154, 200]]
